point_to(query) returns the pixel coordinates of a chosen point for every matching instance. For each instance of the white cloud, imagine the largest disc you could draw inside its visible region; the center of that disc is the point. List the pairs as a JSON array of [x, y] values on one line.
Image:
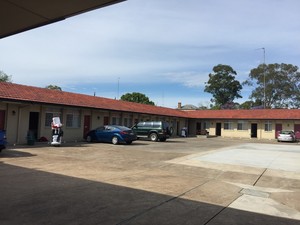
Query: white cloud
[[172, 102], [151, 42], [188, 79]]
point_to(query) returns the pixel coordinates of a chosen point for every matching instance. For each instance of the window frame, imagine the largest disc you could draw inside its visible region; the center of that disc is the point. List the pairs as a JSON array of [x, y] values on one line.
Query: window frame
[[73, 120], [268, 126], [49, 115], [228, 125], [244, 125]]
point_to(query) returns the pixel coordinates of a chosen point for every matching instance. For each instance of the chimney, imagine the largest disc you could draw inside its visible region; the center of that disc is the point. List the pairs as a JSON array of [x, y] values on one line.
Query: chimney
[[179, 105]]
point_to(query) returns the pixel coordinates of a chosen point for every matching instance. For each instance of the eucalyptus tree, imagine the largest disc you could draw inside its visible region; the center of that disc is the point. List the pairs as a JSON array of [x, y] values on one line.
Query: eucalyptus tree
[[4, 77], [223, 86], [275, 85], [136, 97]]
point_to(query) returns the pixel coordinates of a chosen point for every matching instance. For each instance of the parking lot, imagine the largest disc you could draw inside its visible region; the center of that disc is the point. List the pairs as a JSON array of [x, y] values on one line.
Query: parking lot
[[180, 181]]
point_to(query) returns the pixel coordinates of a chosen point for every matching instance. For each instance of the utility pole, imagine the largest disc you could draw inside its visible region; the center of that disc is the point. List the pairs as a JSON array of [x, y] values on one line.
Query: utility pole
[[118, 87], [264, 77], [264, 73]]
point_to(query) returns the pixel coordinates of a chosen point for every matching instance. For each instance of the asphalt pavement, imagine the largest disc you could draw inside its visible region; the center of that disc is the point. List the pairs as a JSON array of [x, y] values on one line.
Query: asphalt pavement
[[180, 181]]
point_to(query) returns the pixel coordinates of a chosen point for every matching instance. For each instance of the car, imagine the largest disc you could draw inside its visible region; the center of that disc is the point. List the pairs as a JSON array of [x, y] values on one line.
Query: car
[[2, 140], [286, 135], [154, 130], [112, 134]]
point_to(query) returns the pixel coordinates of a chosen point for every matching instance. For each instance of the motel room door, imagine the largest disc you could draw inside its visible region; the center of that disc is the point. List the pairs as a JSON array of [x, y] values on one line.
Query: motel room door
[[34, 123], [86, 125], [254, 130], [105, 120], [278, 128], [2, 119], [218, 129], [297, 131]]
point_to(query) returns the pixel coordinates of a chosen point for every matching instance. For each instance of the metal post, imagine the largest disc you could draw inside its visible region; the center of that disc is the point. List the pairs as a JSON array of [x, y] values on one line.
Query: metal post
[[264, 77], [118, 87]]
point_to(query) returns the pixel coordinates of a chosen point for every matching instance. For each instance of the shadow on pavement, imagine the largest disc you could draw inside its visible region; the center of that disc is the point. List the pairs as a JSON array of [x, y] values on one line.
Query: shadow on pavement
[[47, 145], [35, 197], [7, 153]]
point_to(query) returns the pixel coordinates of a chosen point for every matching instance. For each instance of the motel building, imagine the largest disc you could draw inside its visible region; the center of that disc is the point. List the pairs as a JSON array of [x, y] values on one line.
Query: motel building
[[27, 109]]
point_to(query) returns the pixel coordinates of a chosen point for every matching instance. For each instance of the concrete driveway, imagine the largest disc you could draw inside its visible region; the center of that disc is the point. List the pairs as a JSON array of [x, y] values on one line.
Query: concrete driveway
[[181, 181]]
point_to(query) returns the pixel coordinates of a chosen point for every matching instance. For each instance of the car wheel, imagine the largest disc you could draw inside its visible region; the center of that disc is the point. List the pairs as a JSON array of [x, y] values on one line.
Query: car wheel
[[89, 139], [153, 137], [115, 140]]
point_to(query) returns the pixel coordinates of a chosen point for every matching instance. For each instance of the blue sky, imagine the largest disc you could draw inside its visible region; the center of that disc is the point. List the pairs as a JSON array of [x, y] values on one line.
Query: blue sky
[[164, 49]]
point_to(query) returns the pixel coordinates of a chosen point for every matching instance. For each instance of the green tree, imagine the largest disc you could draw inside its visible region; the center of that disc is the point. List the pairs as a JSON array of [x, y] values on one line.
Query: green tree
[[223, 85], [4, 77], [53, 87], [251, 104], [275, 85], [136, 97]]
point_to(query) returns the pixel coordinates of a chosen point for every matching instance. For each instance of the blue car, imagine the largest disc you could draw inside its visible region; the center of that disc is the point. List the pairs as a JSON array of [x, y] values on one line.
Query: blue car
[[2, 140], [112, 134]]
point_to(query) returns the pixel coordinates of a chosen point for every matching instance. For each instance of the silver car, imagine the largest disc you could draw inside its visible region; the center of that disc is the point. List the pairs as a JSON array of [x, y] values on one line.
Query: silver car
[[286, 135]]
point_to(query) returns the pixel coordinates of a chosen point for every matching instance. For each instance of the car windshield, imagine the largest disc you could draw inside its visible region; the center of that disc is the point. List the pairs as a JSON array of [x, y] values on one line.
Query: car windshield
[[286, 132]]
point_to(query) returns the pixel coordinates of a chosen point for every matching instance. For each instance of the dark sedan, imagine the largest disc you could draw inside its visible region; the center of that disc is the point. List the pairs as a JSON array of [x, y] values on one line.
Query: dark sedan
[[112, 134]]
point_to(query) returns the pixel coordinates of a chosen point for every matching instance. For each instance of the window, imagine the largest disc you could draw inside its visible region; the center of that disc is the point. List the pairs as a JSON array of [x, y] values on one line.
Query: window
[[49, 116], [228, 125], [147, 124], [125, 122], [48, 119], [114, 121], [205, 125], [73, 120], [100, 128], [156, 124], [242, 125], [268, 126]]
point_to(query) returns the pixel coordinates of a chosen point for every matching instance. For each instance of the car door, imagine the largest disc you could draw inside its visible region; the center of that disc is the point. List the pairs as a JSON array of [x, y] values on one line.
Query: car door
[[138, 128], [107, 134], [99, 133]]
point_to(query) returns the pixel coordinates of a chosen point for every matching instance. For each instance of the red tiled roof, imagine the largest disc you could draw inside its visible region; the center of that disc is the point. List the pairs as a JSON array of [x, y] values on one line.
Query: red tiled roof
[[23, 93], [258, 114]]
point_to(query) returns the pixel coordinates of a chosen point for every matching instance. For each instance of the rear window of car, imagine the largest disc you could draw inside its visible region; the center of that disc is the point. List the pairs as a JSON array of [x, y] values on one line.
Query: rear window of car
[[100, 128], [122, 128]]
